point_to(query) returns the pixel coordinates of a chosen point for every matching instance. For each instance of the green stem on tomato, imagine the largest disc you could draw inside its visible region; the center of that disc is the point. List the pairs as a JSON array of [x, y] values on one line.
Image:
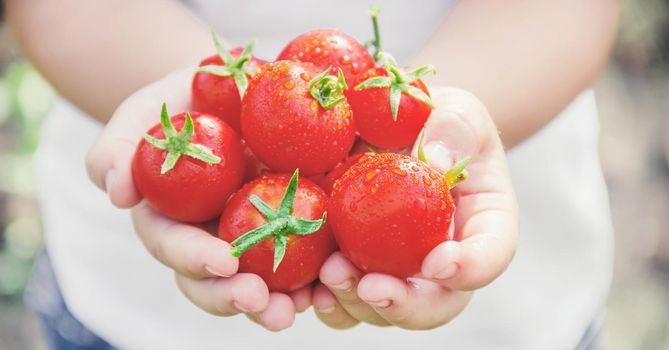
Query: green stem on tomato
[[280, 224], [178, 143]]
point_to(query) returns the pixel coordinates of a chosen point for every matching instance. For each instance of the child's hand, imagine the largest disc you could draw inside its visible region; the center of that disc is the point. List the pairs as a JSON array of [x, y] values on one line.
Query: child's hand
[[205, 269], [486, 230]]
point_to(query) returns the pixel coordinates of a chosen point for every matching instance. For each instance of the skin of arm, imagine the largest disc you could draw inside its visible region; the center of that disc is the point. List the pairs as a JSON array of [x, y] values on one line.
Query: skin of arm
[[525, 59], [97, 53]]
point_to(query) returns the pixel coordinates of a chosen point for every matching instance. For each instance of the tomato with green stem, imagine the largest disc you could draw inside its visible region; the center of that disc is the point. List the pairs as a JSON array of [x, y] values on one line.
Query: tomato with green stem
[[277, 227], [390, 105], [188, 175], [220, 82], [294, 116], [389, 211]]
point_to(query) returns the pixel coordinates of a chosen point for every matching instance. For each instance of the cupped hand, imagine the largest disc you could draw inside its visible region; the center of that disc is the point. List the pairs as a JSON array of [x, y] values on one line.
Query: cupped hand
[[485, 232], [205, 270]]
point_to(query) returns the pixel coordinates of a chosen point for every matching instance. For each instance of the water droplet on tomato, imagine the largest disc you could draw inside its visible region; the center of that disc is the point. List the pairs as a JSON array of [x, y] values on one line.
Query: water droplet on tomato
[[427, 181], [415, 180], [399, 172], [374, 188], [313, 105], [305, 76], [433, 176], [414, 168], [289, 85], [346, 59], [356, 67], [300, 54], [316, 51], [371, 175]]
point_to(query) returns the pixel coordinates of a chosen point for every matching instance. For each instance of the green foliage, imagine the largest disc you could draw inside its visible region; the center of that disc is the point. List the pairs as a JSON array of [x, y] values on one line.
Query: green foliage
[[25, 98]]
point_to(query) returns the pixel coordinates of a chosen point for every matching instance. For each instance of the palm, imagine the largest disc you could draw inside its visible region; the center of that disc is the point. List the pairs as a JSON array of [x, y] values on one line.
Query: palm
[[485, 232]]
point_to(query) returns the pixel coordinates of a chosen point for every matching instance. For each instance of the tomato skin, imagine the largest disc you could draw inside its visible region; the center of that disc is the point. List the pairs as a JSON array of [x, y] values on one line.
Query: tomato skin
[[327, 47], [304, 254], [388, 212], [192, 191], [286, 128], [374, 119], [327, 182], [216, 95]]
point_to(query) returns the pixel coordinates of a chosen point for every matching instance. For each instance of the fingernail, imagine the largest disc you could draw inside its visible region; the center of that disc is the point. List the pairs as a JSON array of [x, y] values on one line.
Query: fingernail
[[214, 272], [327, 310], [439, 155], [380, 304], [109, 179], [449, 271], [345, 286], [239, 307]]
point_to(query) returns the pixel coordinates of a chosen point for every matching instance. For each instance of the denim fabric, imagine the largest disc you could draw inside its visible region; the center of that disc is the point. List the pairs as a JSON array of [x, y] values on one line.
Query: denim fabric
[[62, 331]]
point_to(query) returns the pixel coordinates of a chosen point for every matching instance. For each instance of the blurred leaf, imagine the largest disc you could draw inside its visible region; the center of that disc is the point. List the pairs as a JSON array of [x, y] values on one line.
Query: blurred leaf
[[16, 174], [5, 104], [24, 237], [33, 97], [14, 274]]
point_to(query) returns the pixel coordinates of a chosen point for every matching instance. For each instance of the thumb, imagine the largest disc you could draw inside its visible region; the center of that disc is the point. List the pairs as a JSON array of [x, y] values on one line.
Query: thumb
[[109, 161]]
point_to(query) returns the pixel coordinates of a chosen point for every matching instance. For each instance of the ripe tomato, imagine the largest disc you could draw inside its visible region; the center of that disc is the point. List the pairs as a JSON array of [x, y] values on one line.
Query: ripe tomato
[[328, 181], [278, 227], [188, 175], [221, 81], [292, 117], [389, 211], [329, 48], [390, 106]]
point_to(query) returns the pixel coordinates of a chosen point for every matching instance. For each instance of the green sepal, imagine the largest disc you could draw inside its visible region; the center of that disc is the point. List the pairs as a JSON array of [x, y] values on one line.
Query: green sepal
[[286, 207], [249, 239], [262, 207], [398, 83], [238, 69], [327, 89], [457, 173], [375, 82], [303, 227], [395, 98], [280, 224], [280, 243], [421, 147], [221, 71], [178, 143]]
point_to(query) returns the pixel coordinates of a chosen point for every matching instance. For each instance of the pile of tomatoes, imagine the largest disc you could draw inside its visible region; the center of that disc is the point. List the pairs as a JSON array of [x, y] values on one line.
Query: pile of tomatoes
[[268, 151]]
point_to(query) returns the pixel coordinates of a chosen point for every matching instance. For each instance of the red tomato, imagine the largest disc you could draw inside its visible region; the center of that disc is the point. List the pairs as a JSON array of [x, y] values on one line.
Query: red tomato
[[388, 212], [190, 177], [328, 181], [325, 48], [286, 127], [294, 238], [217, 91], [377, 121]]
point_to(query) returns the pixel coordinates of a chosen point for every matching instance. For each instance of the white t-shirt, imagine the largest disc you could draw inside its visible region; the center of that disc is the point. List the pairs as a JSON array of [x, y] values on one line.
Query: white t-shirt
[[555, 287]]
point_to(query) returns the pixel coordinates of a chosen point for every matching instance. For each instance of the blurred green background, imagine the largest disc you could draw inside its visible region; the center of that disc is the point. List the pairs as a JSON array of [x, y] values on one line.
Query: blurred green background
[[633, 97]]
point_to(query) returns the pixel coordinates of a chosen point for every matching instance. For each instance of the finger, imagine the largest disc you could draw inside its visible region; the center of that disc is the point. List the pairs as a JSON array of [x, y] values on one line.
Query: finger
[[302, 298], [460, 126], [109, 161], [341, 277], [412, 304], [243, 292], [481, 257], [279, 314], [187, 249], [329, 311]]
